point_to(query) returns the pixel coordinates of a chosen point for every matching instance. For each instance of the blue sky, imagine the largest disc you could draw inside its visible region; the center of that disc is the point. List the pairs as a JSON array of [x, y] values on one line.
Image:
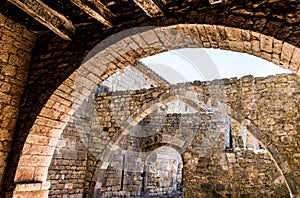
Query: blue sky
[[235, 64], [208, 64]]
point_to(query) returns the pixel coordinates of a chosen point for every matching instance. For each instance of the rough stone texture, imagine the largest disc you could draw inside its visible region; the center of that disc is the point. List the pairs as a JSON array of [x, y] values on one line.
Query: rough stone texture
[[233, 174], [77, 87], [37, 190], [145, 174], [128, 78], [16, 45], [109, 119], [209, 169], [70, 171], [266, 106], [68, 167], [55, 60]]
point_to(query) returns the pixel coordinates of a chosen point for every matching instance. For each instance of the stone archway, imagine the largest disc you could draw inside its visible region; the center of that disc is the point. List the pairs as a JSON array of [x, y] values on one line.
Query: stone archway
[[167, 94], [174, 163], [146, 108], [44, 134]]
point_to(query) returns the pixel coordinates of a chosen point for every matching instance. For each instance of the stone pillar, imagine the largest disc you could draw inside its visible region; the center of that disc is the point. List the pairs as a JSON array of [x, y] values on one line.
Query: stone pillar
[[16, 45]]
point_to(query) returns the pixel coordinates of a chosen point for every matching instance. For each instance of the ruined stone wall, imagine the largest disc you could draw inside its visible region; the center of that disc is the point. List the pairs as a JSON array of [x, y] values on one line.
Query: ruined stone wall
[[267, 107], [232, 174], [163, 172], [16, 45], [128, 78], [123, 176], [80, 146], [270, 103], [145, 174], [148, 153], [73, 164], [55, 59], [208, 171], [68, 168], [254, 175]]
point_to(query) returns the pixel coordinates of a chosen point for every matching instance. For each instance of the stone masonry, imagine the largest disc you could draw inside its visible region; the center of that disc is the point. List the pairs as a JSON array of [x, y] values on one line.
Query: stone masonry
[[134, 121], [44, 78], [16, 45]]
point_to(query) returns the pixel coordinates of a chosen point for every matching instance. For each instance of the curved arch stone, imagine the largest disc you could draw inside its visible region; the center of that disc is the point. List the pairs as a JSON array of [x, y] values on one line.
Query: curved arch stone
[[173, 94], [48, 126]]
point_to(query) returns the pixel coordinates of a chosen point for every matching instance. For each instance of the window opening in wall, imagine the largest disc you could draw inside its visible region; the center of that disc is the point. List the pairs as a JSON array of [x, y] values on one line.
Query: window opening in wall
[[123, 170], [153, 174], [238, 138], [102, 89], [230, 138], [163, 172]]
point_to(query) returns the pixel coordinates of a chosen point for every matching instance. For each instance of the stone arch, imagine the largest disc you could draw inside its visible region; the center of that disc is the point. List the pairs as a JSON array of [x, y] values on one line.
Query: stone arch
[[175, 155], [49, 124], [222, 108], [134, 120], [173, 93]]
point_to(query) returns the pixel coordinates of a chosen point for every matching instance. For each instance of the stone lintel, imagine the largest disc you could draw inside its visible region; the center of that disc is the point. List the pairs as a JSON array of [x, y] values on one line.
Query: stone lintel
[[153, 8], [47, 16], [97, 10], [215, 1]]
